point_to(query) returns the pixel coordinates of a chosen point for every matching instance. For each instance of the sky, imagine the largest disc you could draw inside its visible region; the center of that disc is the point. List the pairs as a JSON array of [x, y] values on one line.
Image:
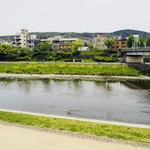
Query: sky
[[73, 15]]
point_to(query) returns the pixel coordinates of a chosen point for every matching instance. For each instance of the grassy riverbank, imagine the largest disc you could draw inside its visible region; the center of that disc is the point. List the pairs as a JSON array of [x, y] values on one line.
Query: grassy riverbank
[[97, 129], [72, 69]]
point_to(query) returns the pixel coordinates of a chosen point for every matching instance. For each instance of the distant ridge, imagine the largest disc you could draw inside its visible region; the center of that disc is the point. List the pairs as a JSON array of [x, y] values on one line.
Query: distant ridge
[[127, 32], [84, 35]]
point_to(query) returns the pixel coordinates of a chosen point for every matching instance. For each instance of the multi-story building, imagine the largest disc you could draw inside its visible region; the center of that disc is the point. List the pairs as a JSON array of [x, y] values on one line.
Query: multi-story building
[[59, 43], [120, 43], [66, 43], [55, 42], [136, 37], [33, 41], [99, 41], [22, 38], [5, 42], [136, 40]]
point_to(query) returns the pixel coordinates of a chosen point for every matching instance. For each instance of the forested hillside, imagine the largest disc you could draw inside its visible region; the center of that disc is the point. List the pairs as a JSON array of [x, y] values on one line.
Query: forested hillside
[[85, 35]]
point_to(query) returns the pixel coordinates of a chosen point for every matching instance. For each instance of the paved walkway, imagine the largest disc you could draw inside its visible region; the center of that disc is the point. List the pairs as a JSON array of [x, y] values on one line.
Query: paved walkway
[[18, 138]]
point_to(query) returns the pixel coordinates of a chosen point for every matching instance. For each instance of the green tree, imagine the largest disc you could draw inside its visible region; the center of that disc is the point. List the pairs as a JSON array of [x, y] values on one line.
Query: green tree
[[148, 41], [130, 41], [6, 48], [91, 46], [76, 45], [43, 47], [141, 42], [109, 43]]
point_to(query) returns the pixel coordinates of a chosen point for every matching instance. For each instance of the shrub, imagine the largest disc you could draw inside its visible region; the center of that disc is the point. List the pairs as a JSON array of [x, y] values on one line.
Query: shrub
[[67, 55], [50, 58], [104, 59], [68, 60], [22, 58]]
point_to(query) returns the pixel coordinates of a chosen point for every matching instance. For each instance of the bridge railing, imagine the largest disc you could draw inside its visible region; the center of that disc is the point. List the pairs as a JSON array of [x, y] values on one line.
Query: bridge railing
[[136, 48]]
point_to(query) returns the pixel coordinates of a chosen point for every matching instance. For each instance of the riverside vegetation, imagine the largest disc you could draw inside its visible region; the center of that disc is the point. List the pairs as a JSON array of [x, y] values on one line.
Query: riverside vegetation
[[44, 52], [71, 69], [101, 130]]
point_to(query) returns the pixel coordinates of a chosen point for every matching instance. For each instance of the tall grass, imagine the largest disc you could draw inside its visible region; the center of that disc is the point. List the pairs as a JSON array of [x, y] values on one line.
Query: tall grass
[[72, 69]]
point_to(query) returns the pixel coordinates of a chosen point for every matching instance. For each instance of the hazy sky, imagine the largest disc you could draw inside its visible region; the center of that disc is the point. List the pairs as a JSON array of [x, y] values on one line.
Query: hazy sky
[[73, 15]]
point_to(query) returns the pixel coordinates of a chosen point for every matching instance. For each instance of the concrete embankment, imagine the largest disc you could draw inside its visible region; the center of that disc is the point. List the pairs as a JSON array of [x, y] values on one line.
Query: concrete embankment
[[75, 77]]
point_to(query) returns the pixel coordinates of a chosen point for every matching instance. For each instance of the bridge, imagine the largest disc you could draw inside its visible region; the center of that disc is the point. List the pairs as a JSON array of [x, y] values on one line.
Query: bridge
[[135, 55]]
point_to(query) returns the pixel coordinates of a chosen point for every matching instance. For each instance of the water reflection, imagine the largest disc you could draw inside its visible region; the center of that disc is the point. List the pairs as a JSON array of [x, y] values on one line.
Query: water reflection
[[46, 85], [25, 85], [104, 85], [115, 101], [77, 85], [137, 85]]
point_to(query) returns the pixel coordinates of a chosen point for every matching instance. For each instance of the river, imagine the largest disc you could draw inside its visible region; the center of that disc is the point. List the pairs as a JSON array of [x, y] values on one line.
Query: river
[[127, 102]]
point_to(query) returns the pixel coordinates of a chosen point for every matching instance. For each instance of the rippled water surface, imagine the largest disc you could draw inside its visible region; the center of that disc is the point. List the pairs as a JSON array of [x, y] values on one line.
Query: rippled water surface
[[112, 101]]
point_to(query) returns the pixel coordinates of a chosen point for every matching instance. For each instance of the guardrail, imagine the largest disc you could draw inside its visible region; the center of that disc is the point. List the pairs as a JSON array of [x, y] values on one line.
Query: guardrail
[[137, 48]]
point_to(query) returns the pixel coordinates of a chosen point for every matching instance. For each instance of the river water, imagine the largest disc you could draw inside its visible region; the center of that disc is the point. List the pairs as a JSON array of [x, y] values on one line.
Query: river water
[[127, 102]]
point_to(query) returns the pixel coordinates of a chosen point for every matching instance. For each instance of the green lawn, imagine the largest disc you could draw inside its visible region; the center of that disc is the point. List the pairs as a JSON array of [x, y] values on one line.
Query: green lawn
[[97, 129]]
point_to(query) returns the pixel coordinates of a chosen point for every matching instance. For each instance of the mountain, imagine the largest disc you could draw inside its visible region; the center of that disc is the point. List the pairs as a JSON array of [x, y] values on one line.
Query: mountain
[[44, 35], [85, 35], [88, 35], [126, 33]]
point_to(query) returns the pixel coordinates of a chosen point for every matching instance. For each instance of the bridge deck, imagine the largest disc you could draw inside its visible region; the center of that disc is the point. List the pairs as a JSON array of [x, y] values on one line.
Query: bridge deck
[[136, 52]]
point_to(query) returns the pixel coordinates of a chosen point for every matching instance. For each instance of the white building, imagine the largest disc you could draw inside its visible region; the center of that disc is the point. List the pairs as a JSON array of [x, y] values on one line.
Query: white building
[[31, 41], [5, 42], [136, 36], [22, 38]]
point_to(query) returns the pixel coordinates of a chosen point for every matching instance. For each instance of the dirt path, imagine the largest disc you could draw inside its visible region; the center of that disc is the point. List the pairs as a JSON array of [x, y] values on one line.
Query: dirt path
[[18, 138]]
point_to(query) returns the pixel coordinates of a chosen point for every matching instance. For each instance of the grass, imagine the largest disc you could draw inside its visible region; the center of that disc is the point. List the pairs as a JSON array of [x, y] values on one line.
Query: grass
[[97, 129], [72, 69]]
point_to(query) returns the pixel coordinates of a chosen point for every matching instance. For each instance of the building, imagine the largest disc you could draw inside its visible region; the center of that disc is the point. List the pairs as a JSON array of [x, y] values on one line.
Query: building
[[59, 43], [33, 41], [136, 40], [66, 44], [22, 38], [120, 43], [5, 42], [99, 41], [55, 42], [136, 37]]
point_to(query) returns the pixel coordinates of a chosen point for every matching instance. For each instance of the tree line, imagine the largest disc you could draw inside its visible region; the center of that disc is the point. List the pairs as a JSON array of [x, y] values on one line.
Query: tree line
[[44, 51], [131, 42], [141, 42]]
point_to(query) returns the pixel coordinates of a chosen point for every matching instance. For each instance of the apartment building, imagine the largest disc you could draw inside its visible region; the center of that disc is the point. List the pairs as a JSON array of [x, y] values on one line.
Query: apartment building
[[99, 41], [22, 38], [136, 37], [33, 41], [120, 43], [59, 43], [66, 43]]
